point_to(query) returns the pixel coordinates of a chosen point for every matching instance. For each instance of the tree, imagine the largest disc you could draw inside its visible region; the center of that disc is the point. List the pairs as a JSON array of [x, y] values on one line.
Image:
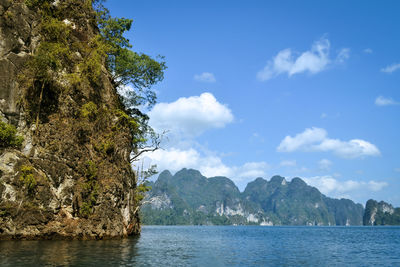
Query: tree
[[133, 74], [126, 66]]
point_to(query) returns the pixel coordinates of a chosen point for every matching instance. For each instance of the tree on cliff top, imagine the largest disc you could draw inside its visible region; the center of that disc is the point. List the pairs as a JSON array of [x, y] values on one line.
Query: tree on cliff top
[[132, 73], [126, 66]]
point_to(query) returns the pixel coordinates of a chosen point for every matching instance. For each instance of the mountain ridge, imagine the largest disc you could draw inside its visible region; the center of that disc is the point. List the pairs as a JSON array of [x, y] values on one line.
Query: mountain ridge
[[190, 198]]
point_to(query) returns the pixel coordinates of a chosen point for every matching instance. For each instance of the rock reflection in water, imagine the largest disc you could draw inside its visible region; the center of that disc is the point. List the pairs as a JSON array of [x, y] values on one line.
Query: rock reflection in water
[[68, 253]]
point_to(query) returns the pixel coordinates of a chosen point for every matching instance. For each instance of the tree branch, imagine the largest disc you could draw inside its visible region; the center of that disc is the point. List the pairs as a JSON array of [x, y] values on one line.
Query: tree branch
[[156, 144]]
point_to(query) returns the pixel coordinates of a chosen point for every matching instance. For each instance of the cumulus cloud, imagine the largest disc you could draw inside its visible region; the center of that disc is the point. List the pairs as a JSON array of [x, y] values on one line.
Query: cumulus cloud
[[384, 101], [324, 164], [313, 61], [333, 187], [190, 116], [185, 119], [205, 77], [316, 139], [391, 68], [174, 159]]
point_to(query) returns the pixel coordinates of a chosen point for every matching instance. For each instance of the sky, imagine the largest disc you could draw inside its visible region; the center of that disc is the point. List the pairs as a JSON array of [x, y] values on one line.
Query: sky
[[307, 89]]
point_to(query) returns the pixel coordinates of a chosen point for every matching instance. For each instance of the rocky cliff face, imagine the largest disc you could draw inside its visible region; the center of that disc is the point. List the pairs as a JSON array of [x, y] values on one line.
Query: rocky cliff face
[[380, 213], [71, 177]]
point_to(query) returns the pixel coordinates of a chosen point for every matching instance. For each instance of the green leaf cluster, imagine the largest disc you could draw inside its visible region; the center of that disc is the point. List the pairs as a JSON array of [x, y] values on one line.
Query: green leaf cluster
[[89, 110], [9, 137], [28, 179], [126, 66], [90, 189], [107, 147]]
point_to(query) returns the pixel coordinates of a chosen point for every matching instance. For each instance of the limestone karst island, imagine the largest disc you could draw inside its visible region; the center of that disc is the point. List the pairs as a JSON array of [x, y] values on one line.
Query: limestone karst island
[[68, 136]]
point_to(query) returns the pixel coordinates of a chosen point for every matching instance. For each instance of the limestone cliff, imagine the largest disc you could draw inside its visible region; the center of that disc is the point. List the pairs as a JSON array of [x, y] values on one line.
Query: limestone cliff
[[187, 197], [71, 176], [380, 213]]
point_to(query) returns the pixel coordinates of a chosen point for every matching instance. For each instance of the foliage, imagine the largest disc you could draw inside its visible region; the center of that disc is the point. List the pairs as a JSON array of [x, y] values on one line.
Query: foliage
[[61, 56], [36, 3], [89, 110], [90, 189], [133, 75], [9, 137], [124, 120], [194, 199], [9, 17], [142, 181], [127, 66], [107, 147], [379, 211], [28, 179]]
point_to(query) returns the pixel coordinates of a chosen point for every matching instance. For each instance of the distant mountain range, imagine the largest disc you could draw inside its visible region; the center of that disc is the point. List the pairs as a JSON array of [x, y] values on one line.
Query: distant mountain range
[[190, 198]]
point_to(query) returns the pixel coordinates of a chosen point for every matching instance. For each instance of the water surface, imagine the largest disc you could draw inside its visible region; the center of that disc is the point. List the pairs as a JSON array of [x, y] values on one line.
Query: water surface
[[218, 246]]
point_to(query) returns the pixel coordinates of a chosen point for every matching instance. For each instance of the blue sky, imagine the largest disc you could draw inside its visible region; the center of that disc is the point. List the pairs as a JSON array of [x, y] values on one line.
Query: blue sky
[[258, 88]]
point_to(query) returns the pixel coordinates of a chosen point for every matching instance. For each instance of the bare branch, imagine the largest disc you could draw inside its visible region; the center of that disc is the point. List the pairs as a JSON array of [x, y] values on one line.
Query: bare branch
[[156, 144]]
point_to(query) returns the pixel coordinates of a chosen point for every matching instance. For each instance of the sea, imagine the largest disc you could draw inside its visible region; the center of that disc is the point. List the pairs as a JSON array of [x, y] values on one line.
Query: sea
[[218, 246]]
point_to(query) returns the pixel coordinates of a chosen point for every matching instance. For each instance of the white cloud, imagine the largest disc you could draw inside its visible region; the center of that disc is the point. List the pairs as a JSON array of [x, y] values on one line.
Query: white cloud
[[302, 140], [209, 165], [174, 159], [288, 163], [384, 101], [190, 116], [343, 55], [391, 68], [376, 186], [312, 61], [324, 164], [333, 187], [205, 77], [186, 118], [250, 170], [316, 139], [368, 51]]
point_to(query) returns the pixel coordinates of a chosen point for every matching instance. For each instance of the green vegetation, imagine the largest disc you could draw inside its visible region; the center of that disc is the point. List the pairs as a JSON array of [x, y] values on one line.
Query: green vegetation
[[28, 179], [9, 137], [381, 213], [107, 147], [190, 198], [138, 70], [90, 189], [89, 110], [9, 17], [143, 183], [64, 61], [126, 66]]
